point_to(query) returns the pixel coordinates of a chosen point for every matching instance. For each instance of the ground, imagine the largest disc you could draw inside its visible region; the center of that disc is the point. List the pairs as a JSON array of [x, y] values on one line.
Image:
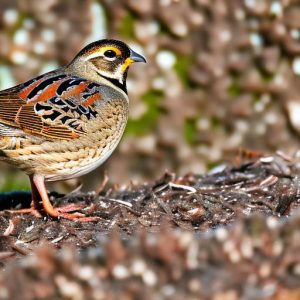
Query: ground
[[230, 234]]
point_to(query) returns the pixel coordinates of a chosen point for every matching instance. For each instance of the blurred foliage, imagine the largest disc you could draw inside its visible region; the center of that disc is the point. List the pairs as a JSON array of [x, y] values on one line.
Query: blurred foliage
[[182, 67], [126, 28], [11, 182], [146, 122], [190, 131]]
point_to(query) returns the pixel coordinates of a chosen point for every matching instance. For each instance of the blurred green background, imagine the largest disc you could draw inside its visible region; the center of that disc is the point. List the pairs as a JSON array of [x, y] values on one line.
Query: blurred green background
[[220, 75]]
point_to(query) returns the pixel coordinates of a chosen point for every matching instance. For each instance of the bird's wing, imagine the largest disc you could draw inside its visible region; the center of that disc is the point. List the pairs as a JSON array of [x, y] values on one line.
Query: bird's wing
[[56, 106]]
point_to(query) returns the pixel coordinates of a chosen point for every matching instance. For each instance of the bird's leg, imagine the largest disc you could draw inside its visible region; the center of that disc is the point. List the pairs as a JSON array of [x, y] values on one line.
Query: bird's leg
[[36, 198], [39, 182], [35, 203]]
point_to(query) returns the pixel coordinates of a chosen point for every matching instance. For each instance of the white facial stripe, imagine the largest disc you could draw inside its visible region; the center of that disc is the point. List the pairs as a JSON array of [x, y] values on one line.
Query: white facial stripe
[[99, 54], [93, 55], [119, 74], [110, 58]]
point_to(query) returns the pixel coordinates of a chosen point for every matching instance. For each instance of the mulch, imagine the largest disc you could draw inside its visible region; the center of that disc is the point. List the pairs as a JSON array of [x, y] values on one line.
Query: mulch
[[231, 234]]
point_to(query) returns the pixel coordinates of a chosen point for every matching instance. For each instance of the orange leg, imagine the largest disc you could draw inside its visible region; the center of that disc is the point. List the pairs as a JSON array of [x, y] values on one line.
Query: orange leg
[[35, 204], [36, 198], [39, 187], [40, 200], [39, 183]]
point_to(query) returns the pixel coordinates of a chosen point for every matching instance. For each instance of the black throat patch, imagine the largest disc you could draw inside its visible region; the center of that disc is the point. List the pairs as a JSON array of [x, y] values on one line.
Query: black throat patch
[[116, 82]]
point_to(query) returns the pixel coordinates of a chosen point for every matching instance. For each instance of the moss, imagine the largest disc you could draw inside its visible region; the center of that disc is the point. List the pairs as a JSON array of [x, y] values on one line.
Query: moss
[[181, 67], [212, 165], [234, 89], [266, 76], [256, 98], [126, 27], [215, 122], [15, 182], [190, 131], [148, 121]]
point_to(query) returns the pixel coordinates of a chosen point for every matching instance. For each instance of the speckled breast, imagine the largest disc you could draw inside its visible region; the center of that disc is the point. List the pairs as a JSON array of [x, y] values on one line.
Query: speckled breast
[[64, 159]]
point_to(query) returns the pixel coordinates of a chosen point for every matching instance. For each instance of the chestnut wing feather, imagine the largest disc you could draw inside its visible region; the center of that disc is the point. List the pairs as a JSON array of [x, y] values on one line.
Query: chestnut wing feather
[[55, 106]]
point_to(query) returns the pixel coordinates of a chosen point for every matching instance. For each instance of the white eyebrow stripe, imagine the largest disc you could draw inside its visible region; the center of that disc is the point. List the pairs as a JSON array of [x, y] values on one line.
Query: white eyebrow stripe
[[93, 55]]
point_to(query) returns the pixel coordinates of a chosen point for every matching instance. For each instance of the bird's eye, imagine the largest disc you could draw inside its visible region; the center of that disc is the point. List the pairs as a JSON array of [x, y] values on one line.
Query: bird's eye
[[110, 53]]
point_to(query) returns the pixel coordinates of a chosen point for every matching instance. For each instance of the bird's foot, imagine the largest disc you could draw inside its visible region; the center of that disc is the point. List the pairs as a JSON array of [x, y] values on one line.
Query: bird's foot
[[78, 217], [32, 210], [64, 212], [70, 207]]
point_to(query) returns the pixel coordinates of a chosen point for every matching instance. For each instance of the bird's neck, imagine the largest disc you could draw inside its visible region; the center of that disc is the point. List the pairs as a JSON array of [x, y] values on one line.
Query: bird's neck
[[88, 71], [115, 82]]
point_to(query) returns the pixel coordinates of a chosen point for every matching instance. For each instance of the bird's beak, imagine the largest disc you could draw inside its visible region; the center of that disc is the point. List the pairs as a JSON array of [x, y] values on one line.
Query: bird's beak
[[134, 57], [137, 57]]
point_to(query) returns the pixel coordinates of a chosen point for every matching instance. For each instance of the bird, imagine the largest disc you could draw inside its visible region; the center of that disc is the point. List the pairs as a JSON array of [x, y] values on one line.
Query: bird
[[67, 122]]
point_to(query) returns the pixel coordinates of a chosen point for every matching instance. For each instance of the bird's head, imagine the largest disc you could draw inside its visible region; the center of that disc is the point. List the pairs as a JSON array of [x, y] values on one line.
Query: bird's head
[[109, 59]]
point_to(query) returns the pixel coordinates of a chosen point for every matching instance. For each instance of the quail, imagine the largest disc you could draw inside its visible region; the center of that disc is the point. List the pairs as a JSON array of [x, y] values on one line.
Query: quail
[[65, 123]]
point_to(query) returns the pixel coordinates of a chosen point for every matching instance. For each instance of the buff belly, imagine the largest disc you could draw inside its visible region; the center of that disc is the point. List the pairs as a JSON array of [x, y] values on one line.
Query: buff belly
[[83, 167]]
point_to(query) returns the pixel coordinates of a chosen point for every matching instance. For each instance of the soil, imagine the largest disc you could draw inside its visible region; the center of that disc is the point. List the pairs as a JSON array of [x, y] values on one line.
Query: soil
[[230, 234]]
